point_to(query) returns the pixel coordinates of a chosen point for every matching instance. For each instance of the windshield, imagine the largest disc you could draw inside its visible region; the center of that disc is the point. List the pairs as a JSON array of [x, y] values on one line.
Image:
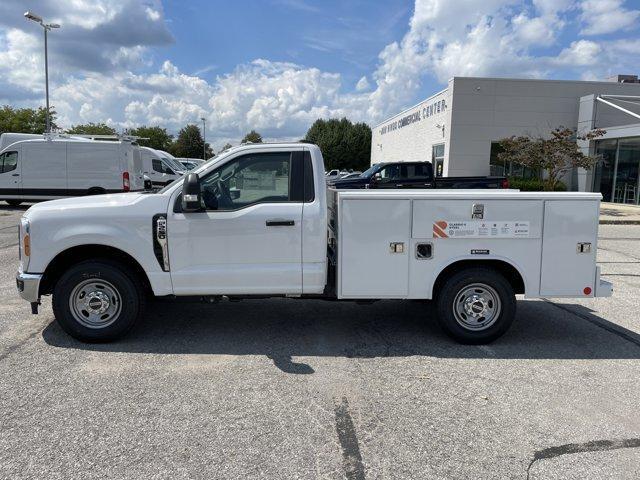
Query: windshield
[[174, 164], [200, 168], [371, 170]]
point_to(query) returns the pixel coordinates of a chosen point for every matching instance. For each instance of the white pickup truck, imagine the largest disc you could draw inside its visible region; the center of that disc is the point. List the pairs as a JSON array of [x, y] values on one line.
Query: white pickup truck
[[258, 221]]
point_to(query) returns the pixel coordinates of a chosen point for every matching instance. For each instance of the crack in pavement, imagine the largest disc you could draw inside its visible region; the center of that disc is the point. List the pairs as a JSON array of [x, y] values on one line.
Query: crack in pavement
[[351, 457], [593, 446]]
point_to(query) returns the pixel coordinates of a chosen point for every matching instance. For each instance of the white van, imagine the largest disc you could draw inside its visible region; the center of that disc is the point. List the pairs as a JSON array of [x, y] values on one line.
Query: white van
[[51, 167], [159, 167], [8, 138]]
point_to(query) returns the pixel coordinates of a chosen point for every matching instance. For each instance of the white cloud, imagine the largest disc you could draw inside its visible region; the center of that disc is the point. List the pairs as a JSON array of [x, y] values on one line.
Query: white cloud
[[363, 84], [607, 16], [580, 53], [281, 99]]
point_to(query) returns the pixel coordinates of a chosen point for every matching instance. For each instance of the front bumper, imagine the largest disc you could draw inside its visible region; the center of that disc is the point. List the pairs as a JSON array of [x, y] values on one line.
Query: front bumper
[[29, 286]]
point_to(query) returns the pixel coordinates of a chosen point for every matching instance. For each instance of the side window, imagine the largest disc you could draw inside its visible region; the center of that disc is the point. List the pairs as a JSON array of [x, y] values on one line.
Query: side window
[[157, 165], [8, 161], [247, 180], [415, 170], [390, 172]]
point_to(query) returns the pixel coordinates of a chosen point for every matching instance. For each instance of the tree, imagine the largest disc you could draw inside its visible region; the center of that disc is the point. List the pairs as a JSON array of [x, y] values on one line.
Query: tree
[[252, 137], [555, 155], [226, 147], [189, 143], [344, 145], [25, 120], [158, 137], [92, 129]]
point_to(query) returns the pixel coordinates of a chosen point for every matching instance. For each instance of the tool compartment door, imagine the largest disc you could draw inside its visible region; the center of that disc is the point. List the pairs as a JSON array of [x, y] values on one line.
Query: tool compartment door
[[565, 270], [368, 266]]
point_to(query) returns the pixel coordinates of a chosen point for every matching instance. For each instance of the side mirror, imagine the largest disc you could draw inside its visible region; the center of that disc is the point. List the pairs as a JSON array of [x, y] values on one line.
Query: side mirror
[[377, 177], [234, 193], [148, 184], [191, 193]]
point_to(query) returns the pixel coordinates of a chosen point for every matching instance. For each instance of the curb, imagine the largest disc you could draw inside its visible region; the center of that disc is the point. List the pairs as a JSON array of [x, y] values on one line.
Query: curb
[[619, 222]]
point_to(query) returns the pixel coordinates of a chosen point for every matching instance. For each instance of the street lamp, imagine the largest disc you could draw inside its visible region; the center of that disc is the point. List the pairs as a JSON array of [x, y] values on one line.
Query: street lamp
[[46, 26], [204, 139]]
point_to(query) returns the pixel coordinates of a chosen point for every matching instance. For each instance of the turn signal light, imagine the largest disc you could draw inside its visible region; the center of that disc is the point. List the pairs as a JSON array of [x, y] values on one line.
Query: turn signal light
[[26, 242], [505, 183]]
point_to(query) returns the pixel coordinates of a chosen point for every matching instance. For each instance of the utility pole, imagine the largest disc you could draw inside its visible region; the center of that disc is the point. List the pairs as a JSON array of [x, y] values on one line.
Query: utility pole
[[46, 27], [204, 139]]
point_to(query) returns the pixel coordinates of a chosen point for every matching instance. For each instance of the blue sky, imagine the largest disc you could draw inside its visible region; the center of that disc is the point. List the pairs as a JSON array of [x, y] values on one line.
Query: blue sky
[[334, 36], [277, 65]]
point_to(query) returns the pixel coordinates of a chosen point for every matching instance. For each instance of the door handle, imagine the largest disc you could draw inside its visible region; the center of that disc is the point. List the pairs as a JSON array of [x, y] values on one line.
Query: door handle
[[280, 223], [15, 175]]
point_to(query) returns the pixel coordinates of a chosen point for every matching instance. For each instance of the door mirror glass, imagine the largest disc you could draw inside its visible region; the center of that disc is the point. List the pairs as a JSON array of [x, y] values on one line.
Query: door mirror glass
[[191, 193], [377, 177], [148, 184]]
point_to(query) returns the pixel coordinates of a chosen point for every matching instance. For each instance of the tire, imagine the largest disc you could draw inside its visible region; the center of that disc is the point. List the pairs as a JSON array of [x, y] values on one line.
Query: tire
[[476, 306], [14, 203], [96, 191], [97, 301]]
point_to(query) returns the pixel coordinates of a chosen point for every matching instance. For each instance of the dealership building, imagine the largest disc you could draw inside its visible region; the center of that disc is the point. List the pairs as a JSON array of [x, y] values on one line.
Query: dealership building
[[459, 128]]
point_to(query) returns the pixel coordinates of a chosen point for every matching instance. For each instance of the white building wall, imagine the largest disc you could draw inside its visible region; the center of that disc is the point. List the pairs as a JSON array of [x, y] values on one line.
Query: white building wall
[[485, 110], [480, 111], [391, 141]]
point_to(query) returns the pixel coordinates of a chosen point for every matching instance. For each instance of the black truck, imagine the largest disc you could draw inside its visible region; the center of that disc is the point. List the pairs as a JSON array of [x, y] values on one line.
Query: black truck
[[413, 175]]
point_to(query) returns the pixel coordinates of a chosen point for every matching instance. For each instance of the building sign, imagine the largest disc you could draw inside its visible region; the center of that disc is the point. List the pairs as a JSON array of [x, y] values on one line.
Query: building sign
[[421, 113]]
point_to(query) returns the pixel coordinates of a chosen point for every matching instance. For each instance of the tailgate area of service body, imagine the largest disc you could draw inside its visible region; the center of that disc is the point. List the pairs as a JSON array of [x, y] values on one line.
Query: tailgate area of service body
[[394, 244]]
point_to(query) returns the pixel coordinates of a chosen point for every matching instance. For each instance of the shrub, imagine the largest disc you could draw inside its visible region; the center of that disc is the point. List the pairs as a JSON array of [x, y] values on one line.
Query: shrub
[[533, 185]]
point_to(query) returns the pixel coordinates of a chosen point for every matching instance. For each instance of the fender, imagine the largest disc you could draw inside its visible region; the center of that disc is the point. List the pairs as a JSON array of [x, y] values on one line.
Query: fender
[[484, 259]]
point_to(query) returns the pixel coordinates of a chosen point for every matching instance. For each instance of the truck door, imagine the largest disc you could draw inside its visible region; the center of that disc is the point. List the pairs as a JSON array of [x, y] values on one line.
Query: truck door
[[10, 172], [248, 240]]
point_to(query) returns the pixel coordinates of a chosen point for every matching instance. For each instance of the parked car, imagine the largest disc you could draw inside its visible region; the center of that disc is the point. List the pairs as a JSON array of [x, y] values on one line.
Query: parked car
[[190, 163], [414, 175], [351, 175], [159, 168], [259, 222], [53, 166]]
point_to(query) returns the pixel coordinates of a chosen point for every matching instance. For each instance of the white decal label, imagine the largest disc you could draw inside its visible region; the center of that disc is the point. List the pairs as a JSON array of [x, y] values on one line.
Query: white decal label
[[480, 229]]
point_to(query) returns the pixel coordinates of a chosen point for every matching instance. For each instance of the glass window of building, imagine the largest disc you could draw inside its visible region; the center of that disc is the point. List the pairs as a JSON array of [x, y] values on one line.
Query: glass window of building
[[509, 169], [616, 175], [437, 158]]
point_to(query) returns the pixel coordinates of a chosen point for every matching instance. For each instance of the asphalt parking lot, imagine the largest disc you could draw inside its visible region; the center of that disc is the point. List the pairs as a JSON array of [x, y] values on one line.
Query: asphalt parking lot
[[312, 389]]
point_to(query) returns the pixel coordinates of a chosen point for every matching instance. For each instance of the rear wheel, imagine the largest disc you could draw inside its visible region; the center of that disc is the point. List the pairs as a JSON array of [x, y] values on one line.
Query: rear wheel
[[476, 305], [14, 203], [97, 301]]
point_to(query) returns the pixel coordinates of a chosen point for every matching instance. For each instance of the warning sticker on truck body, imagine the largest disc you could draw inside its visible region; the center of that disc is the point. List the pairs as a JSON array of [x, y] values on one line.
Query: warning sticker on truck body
[[480, 229]]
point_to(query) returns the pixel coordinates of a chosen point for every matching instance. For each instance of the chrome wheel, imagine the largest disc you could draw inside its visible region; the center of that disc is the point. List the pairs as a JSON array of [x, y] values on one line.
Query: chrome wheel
[[95, 303], [477, 307]]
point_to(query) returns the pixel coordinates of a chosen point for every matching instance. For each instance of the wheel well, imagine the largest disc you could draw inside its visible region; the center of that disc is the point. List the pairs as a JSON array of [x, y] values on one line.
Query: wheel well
[[96, 191], [505, 269], [64, 260]]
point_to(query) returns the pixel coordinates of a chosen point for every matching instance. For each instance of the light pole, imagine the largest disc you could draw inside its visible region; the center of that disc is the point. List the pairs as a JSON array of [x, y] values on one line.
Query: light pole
[[204, 139], [46, 26]]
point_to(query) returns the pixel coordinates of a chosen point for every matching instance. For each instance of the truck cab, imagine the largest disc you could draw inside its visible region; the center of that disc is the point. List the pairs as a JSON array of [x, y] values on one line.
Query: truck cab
[[258, 221]]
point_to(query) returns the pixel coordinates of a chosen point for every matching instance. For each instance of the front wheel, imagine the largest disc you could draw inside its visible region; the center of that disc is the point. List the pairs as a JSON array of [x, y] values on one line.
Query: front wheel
[[14, 203], [97, 301], [476, 305]]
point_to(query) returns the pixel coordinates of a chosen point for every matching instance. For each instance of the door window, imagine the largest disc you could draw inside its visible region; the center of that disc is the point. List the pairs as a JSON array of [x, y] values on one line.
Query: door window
[[247, 180], [413, 171], [160, 167], [390, 172], [8, 161]]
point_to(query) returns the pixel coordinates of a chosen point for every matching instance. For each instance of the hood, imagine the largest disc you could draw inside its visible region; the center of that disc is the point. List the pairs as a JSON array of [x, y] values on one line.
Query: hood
[[349, 182], [93, 203]]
